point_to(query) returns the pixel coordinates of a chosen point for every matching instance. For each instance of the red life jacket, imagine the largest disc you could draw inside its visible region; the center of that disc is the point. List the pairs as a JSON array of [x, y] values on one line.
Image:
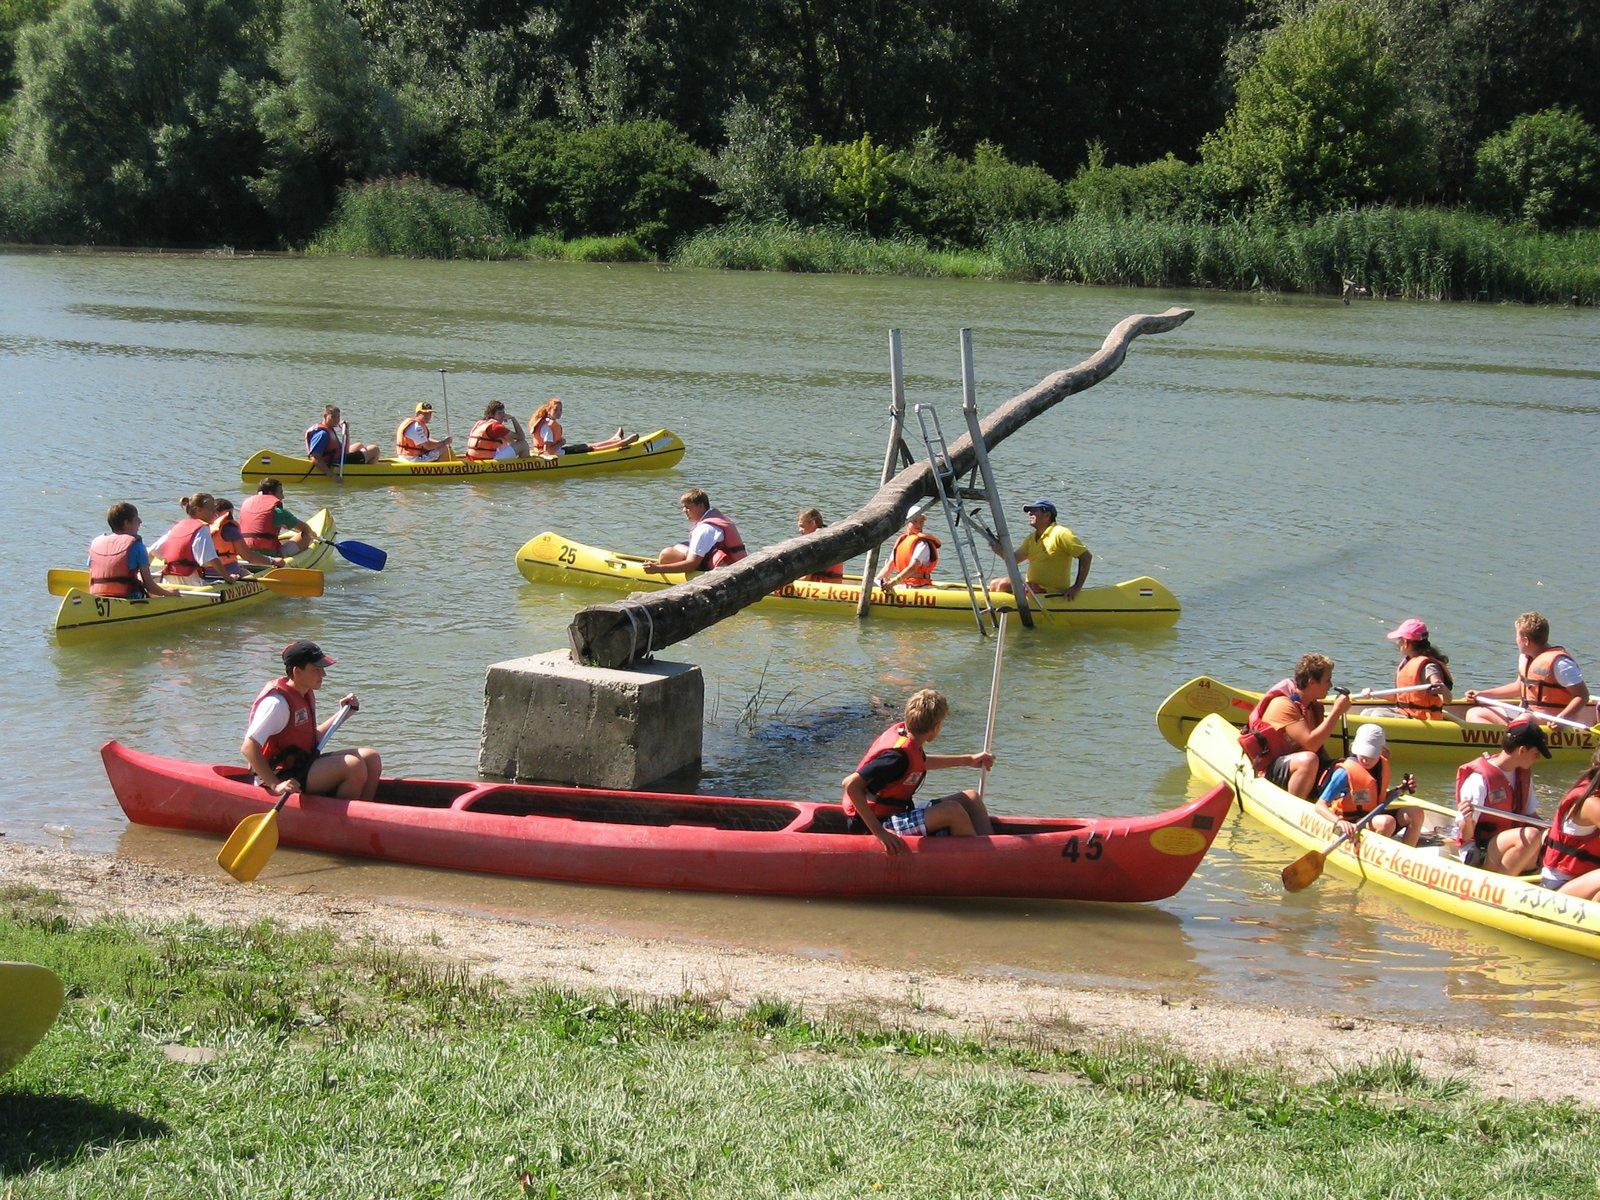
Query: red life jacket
[[256, 524], [901, 559], [1540, 691], [1366, 789], [1265, 744], [1571, 854], [1424, 706], [480, 444], [295, 744], [335, 446], [897, 795], [177, 548], [730, 549], [1504, 792], [109, 572]]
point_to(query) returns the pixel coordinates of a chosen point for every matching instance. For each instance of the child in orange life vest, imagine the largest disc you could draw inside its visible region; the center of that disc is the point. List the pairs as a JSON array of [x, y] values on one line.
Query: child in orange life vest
[[878, 793], [1358, 784]]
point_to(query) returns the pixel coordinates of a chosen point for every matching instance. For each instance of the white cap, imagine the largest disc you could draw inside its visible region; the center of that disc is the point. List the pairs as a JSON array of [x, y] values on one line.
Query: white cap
[[1369, 742]]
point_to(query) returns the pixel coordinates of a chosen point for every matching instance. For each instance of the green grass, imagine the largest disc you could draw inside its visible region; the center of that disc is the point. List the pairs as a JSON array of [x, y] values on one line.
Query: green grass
[[312, 1068]]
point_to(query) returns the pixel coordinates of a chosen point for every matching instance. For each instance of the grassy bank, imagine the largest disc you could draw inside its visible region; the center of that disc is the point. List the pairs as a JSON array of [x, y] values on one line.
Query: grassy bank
[[199, 1061]]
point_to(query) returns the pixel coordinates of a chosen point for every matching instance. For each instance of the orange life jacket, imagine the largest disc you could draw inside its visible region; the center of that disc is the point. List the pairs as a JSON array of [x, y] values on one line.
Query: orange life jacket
[[551, 444], [922, 576], [177, 548], [228, 549], [480, 444], [1265, 744], [1540, 691], [109, 572], [403, 443], [1366, 789], [256, 523], [1424, 706], [833, 574], [897, 795]]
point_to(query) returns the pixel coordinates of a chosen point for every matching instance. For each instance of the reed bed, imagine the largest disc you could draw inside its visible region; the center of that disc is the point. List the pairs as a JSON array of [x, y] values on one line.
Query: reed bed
[[787, 246]]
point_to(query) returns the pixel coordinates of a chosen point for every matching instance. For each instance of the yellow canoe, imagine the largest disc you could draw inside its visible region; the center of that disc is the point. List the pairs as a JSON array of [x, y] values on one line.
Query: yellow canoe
[[82, 617], [1451, 740], [551, 558], [1431, 874], [652, 452]]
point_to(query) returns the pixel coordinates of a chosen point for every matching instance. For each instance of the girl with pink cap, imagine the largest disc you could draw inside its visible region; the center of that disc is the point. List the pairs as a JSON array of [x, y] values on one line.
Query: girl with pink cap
[[1422, 664]]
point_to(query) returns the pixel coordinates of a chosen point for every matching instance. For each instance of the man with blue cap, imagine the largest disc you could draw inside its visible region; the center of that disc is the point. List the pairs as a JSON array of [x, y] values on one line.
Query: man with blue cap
[[1050, 550]]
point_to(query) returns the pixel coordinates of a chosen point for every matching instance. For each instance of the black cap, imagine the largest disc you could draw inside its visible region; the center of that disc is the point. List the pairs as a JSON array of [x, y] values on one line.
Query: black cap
[[1525, 733], [305, 654]]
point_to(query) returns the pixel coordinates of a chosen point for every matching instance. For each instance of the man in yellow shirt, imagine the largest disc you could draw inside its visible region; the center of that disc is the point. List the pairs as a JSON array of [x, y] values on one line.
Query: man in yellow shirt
[[1050, 550]]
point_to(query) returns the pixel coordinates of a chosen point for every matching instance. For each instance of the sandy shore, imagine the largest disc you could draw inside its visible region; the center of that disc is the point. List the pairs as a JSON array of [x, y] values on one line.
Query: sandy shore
[[1308, 1043]]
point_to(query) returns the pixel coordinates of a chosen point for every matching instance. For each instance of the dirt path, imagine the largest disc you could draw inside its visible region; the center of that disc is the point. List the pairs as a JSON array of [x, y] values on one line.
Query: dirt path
[[529, 951]]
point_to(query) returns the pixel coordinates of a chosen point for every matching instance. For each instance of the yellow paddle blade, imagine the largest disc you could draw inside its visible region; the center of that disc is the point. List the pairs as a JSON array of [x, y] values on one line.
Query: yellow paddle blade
[[249, 846], [291, 581], [1303, 871], [61, 582]]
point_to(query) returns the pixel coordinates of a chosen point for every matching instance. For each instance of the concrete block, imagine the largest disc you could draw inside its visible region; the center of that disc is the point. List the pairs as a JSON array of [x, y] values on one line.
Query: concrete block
[[551, 720]]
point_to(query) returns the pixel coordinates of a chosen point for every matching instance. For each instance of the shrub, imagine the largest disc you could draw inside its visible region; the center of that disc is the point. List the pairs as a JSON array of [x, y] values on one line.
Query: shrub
[[31, 212], [412, 218], [953, 202], [759, 173], [1168, 187], [640, 179], [856, 176], [1542, 170]]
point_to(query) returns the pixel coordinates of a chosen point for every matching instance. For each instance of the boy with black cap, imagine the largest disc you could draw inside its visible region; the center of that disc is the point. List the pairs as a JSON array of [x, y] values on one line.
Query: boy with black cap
[[280, 744], [1502, 781], [1050, 550]]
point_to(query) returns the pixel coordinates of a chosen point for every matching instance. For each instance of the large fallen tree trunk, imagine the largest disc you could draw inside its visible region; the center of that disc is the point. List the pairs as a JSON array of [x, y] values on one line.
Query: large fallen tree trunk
[[614, 635]]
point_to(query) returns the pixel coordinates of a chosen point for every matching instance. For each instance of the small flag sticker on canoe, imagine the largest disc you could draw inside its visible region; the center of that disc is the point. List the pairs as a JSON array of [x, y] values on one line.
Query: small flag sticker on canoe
[[1147, 591]]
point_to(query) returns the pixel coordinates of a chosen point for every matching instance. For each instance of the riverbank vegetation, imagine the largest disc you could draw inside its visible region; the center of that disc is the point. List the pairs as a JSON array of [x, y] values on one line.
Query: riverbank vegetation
[[201, 1061], [1404, 147]]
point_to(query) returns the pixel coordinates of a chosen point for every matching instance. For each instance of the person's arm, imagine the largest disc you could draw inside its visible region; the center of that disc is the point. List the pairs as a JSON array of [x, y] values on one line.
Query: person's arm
[[204, 551], [1337, 788], [1084, 560], [269, 717], [255, 556], [317, 451], [355, 707], [920, 557], [1569, 676], [856, 789], [1503, 691], [937, 762], [1472, 792], [1312, 738], [1433, 674]]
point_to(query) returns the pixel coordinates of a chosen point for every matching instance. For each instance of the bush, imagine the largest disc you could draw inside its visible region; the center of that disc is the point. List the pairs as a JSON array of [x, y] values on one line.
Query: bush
[[30, 212], [956, 203], [412, 218], [639, 179], [1542, 170], [1166, 188], [759, 173]]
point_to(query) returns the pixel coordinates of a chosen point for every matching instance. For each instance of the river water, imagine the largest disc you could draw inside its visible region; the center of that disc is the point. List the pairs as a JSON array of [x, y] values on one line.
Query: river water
[[1303, 474]]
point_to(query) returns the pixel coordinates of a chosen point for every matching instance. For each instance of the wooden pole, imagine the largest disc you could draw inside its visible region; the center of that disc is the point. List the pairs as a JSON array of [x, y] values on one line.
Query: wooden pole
[[602, 636], [891, 456]]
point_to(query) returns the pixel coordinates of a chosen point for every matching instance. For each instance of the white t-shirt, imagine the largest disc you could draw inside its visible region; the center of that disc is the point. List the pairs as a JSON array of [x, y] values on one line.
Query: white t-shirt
[[703, 538], [417, 432], [270, 716]]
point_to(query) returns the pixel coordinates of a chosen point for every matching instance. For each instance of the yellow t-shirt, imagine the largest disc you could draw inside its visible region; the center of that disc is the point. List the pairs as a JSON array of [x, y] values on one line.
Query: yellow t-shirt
[[1052, 558]]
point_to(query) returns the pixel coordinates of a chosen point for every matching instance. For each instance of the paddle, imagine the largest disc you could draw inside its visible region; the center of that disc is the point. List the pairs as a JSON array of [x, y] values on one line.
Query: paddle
[[286, 581], [1502, 814], [254, 839], [1307, 869], [359, 553], [444, 396], [1507, 707], [1369, 694], [994, 698], [344, 444]]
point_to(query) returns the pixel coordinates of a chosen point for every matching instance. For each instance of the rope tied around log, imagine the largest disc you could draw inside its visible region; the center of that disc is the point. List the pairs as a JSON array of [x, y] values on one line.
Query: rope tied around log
[[633, 633]]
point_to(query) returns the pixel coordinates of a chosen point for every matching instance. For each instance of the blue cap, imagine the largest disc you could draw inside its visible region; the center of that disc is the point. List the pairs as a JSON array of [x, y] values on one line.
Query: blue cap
[[1043, 505]]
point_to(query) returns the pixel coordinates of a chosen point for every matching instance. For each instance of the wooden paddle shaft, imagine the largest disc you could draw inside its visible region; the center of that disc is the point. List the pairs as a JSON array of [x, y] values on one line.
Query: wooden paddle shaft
[[994, 697]]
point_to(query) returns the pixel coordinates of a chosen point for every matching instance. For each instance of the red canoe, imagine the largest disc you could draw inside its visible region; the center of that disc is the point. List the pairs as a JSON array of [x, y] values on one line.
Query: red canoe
[[703, 843]]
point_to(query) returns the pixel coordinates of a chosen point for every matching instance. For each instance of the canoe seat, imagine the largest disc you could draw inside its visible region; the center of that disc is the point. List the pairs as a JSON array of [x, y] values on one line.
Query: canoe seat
[[641, 808]]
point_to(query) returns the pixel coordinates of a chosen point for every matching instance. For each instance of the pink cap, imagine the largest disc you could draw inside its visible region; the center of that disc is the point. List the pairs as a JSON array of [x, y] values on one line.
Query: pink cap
[[1411, 629]]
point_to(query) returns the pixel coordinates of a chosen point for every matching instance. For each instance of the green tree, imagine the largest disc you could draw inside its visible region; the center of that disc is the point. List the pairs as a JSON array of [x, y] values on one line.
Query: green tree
[[857, 175], [1542, 170], [759, 171], [1322, 120]]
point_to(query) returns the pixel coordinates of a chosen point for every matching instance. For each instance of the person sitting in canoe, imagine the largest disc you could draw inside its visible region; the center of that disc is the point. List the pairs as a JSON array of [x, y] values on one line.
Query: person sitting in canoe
[[1502, 781], [119, 561], [1422, 666], [327, 450], [414, 441], [1292, 721], [280, 743], [713, 540], [878, 794], [1050, 550], [187, 553], [1357, 785], [268, 526], [808, 522], [1571, 859], [551, 442], [233, 551], [495, 436], [1548, 680], [915, 555]]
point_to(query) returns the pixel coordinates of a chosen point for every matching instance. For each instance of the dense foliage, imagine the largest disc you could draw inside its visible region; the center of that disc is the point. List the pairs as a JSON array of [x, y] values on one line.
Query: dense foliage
[[941, 123]]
